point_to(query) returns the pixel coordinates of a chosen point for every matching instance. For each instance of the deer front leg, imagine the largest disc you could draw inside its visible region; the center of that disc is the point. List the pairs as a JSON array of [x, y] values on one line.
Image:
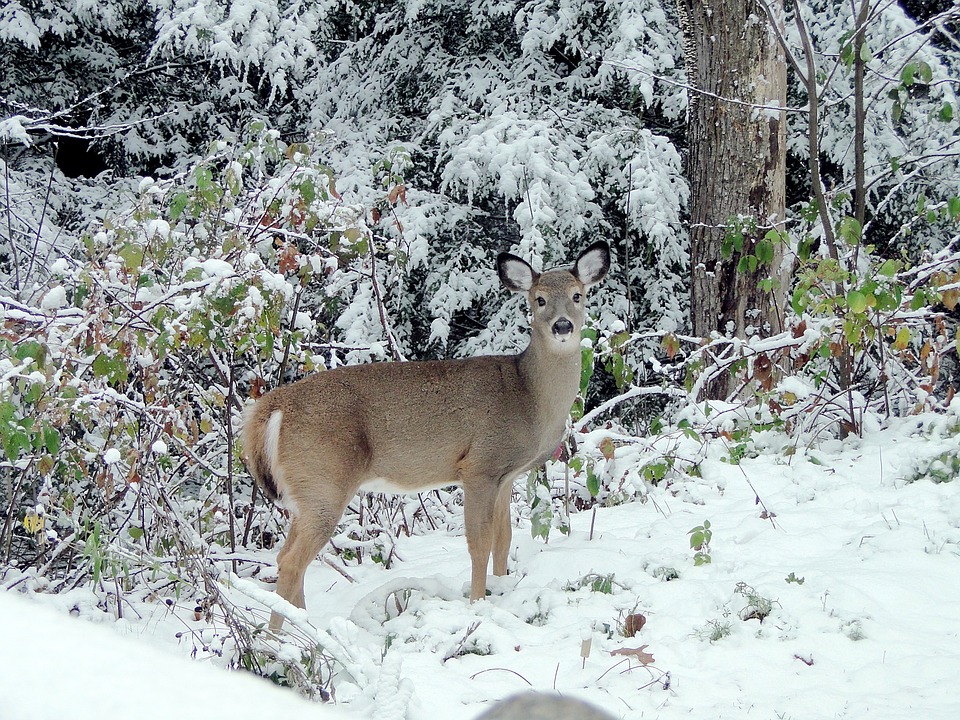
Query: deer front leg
[[502, 529], [479, 503]]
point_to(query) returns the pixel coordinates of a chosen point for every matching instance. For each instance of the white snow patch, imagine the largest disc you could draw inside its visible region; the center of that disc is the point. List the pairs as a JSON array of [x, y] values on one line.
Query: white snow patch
[[156, 685], [54, 299]]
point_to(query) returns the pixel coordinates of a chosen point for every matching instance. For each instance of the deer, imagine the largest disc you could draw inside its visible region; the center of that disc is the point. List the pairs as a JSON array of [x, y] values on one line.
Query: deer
[[407, 427]]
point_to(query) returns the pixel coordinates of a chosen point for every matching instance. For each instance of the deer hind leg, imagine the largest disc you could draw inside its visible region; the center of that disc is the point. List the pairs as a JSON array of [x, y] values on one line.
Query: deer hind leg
[[479, 503], [502, 530], [309, 532]]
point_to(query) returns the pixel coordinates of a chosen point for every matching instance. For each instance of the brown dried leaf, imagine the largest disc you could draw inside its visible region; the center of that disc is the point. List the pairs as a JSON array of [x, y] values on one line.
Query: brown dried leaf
[[633, 624], [289, 258], [258, 386], [398, 192], [643, 657], [606, 448], [950, 298], [763, 371], [671, 345]]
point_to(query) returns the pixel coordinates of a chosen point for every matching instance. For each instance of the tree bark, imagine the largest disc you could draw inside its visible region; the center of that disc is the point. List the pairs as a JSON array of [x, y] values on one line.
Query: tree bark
[[736, 166]]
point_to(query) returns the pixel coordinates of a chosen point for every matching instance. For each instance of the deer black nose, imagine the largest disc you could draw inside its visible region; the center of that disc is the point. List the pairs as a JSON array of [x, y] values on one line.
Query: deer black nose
[[562, 327]]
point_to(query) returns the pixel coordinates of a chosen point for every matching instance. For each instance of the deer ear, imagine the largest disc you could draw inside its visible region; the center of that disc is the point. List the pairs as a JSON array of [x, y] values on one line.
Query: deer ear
[[593, 263], [515, 273]]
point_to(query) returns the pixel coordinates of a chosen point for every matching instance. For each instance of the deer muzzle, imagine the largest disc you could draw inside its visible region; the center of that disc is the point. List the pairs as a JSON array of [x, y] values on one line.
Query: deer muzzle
[[562, 329]]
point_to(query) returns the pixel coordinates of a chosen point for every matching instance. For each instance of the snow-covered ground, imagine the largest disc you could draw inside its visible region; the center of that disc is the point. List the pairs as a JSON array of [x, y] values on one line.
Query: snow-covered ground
[[867, 626]]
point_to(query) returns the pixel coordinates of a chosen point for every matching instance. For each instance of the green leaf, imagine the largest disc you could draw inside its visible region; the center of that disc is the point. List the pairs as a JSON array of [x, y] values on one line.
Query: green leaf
[[865, 53], [132, 255], [586, 367], [51, 440], [102, 365], [850, 230], [14, 442], [888, 268], [857, 301], [926, 73], [31, 349], [34, 393], [946, 112], [798, 301], [204, 178], [919, 300], [593, 483], [764, 251], [307, 191], [953, 207], [846, 54], [177, 205], [908, 73], [696, 539]]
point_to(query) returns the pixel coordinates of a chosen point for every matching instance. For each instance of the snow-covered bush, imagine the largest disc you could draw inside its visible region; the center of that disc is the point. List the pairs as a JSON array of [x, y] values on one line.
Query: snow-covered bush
[[121, 388]]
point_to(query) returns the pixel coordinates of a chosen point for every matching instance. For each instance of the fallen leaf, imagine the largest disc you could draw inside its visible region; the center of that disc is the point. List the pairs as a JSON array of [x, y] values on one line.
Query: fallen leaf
[[643, 657]]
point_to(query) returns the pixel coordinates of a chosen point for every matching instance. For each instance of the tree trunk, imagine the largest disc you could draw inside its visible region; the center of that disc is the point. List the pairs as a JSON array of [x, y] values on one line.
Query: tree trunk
[[736, 167]]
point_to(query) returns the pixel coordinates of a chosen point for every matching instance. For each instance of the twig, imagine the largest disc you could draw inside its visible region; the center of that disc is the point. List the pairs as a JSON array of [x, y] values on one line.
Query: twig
[[499, 669], [456, 651], [339, 569], [387, 331]]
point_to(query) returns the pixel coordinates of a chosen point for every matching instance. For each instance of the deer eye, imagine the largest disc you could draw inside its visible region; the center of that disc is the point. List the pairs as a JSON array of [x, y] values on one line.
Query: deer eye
[[576, 297], [541, 301]]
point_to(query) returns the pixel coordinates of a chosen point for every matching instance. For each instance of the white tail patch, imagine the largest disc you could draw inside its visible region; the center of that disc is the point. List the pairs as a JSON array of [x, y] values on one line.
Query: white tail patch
[[273, 439], [272, 443]]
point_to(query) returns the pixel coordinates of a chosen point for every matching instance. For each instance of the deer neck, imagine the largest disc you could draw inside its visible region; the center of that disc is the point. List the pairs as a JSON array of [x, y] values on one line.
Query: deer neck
[[552, 379]]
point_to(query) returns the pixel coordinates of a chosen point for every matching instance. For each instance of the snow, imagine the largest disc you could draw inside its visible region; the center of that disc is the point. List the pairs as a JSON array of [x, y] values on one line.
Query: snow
[[211, 267], [60, 266], [70, 656], [852, 543], [54, 299], [111, 456], [12, 129]]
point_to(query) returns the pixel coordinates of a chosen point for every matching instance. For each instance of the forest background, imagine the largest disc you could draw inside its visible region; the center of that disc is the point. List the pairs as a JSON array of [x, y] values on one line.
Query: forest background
[[204, 199]]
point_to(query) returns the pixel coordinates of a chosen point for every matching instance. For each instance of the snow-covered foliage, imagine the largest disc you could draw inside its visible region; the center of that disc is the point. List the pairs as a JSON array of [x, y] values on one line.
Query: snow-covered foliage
[[911, 154]]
